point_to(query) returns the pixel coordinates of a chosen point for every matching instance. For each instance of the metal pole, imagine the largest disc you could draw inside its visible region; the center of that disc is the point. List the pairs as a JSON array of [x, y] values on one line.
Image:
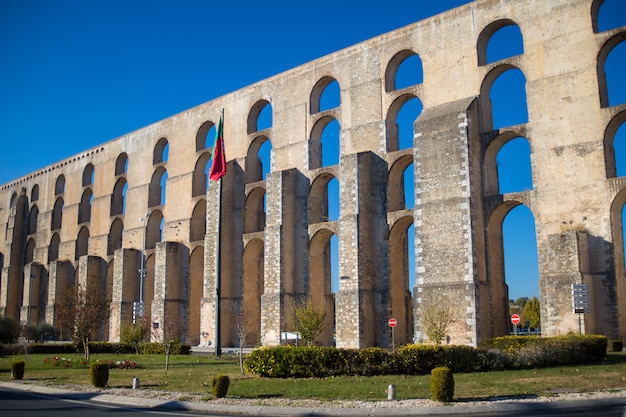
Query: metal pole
[[218, 342]]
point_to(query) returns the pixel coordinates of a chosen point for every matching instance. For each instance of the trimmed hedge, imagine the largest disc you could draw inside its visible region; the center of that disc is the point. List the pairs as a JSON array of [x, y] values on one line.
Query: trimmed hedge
[[442, 384], [17, 369], [494, 354], [99, 374], [220, 385]]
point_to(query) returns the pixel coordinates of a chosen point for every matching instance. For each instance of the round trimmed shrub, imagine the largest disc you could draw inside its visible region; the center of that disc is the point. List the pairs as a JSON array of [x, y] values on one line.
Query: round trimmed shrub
[[442, 384], [220, 385], [17, 369], [99, 374]]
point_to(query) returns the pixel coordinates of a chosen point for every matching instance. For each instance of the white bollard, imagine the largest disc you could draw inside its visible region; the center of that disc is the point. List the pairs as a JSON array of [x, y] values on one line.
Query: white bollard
[[135, 383], [391, 392]]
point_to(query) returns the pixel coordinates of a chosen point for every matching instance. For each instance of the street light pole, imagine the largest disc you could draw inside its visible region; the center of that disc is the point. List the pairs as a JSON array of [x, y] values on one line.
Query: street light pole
[[139, 307]]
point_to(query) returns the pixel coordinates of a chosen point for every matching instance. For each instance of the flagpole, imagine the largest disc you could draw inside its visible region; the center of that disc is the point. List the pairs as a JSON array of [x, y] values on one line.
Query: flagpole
[[218, 263], [218, 273]]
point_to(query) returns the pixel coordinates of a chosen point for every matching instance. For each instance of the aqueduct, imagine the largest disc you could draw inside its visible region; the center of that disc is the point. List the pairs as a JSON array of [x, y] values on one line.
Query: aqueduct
[[144, 198]]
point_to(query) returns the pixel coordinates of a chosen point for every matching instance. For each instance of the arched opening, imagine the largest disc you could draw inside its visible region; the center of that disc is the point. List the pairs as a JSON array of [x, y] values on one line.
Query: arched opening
[[514, 166], [610, 70], [324, 199], [59, 186], [34, 194], [154, 229], [157, 190], [32, 219], [321, 292], [400, 122], [254, 212], [161, 151], [499, 40], [329, 141], [326, 95], [205, 136], [200, 181], [88, 175], [53, 249], [198, 222], [607, 15], [57, 214], [118, 197], [258, 160], [615, 146], [82, 243], [400, 186], [84, 209], [521, 264], [196, 291], [403, 70], [114, 240], [121, 164], [400, 279], [30, 251], [253, 289], [618, 211], [260, 116], [508, 99]]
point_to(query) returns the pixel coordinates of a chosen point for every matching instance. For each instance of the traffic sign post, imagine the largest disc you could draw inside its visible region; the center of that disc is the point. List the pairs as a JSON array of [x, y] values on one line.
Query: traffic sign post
[[515, 319], [393, 323], [580, 302]]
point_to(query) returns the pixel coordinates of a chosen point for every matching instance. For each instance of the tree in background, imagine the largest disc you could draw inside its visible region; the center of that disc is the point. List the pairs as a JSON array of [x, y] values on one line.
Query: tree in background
[[308, 321], [85, 310], [532, 313], [9, 330]]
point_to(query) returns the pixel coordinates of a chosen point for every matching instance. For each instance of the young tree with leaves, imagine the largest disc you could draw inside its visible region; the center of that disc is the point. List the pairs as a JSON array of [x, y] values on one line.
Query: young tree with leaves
[[135, 333], [308, 321], [436, 318]]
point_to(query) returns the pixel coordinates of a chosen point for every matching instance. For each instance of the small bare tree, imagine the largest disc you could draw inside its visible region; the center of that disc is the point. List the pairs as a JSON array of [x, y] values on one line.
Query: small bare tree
[[436, 318], [85, 310], [308, 321], [243, 323], [168, 334]]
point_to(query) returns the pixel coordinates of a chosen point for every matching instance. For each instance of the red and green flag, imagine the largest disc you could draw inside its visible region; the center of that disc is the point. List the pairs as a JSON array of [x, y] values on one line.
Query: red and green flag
[[218, 168]]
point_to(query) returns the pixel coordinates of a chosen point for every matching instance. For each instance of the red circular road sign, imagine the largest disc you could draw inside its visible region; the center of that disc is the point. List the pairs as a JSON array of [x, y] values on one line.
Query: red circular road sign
[[515, 319], [392, 322]]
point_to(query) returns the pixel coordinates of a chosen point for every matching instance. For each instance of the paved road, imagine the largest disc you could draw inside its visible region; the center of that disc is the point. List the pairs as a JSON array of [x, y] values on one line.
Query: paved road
[[17, 403], [21, 404]]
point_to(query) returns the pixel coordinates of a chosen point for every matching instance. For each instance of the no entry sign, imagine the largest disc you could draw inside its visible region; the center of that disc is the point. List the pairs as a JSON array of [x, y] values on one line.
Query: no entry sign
[[515, 319], [392, 322]]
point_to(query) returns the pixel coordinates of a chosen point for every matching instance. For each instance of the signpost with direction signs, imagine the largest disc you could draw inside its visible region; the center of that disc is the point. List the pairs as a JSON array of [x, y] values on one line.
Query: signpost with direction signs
[[580, 302]]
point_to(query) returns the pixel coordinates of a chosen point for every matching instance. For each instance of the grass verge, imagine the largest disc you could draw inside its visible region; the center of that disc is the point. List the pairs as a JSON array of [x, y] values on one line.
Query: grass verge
[[194, 373]]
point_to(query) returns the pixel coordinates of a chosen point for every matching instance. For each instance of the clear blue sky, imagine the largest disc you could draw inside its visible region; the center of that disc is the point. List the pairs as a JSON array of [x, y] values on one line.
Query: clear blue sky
[[78, 73]]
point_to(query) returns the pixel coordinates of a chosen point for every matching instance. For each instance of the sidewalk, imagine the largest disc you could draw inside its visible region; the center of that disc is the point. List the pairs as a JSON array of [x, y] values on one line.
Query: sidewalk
[[388, 410]]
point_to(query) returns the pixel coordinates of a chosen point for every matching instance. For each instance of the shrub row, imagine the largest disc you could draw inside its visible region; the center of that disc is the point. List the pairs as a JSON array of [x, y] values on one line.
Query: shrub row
[[304, 362], [94, 347]]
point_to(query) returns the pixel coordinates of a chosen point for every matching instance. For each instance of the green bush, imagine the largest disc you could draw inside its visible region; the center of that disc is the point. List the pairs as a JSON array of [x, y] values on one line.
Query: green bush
[[615, 346], [159, 349], [442, 384], [220, 385], [17, 369], [9, 329], [99, 374]]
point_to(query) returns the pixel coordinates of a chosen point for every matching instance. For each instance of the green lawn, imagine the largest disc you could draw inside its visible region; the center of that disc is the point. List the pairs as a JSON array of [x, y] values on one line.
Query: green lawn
[[194, 374]]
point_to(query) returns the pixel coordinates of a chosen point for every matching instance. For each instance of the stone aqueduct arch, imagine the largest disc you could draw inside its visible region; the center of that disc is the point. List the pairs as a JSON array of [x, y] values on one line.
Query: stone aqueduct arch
[[79, 219]]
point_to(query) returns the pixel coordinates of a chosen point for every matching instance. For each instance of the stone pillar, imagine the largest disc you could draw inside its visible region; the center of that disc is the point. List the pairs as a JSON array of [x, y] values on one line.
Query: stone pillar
[[60, 278], [125, 290], [224, 231], [171, 284], [575, 257], [33, 302], [11, 279], [92, 275], [445, 262], [362, 301], [286, 251]]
